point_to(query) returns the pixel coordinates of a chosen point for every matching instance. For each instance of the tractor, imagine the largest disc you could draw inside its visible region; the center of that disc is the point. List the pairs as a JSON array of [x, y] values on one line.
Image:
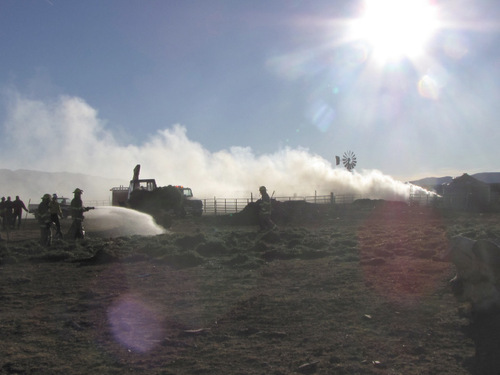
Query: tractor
[[145, 196]]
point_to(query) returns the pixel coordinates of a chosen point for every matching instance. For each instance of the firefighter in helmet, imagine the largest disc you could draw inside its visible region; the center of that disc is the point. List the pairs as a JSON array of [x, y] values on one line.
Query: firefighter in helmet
[[43, 216], [77, 209], [55, 214]]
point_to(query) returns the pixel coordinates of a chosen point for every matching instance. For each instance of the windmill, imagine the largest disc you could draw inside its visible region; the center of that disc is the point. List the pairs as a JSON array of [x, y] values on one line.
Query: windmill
[[348, 159]]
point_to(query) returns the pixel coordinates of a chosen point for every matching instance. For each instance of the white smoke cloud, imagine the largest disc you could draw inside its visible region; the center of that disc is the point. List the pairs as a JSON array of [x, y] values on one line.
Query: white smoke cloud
[[67, 135]]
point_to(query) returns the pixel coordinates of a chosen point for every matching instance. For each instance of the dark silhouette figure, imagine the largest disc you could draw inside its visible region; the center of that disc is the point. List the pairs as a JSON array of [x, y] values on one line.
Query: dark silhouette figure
[[265, 210], [43, 216], [2, 212], [55, 214], [18, 206], [9, 213], [76, 230]]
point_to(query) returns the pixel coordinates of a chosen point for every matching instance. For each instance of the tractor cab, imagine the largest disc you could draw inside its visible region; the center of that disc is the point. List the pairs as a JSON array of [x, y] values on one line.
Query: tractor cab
[[146, 185], [186, 192]]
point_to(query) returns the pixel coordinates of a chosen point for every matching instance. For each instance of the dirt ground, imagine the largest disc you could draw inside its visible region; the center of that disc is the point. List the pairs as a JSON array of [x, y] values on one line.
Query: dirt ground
[[356, 291]]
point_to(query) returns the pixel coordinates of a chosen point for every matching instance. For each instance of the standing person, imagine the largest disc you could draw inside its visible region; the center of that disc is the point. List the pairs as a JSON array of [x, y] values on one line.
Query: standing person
[[77, 210], [2, 212], [55, 214], [42, 214], [19, 206], [265, 210], [9, 213]]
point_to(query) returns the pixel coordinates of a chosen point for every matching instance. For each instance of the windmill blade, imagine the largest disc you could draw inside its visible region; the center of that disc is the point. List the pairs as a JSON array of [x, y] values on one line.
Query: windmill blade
[[349, 160]]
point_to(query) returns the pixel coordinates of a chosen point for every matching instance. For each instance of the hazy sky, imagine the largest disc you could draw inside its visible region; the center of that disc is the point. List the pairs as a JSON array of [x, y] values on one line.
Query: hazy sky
[[96, 86]]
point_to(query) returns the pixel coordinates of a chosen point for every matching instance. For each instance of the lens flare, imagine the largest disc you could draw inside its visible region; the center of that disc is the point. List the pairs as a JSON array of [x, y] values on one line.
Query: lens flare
[[322, 115], [428, 88], [134, 324]]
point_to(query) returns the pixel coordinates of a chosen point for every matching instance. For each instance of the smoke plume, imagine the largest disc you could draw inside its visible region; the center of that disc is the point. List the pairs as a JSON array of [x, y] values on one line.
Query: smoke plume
[[67, 135]]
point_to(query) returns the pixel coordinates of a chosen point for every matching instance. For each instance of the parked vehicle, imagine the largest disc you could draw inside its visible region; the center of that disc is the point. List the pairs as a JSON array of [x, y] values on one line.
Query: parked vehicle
[[145, 196]]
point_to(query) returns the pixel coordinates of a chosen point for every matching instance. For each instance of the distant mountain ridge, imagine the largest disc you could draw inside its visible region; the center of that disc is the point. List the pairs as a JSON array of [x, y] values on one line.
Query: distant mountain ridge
[[487, 177]]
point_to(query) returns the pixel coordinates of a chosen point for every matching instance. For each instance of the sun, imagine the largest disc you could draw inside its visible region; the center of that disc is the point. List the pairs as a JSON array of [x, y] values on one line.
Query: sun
[[396, 29]]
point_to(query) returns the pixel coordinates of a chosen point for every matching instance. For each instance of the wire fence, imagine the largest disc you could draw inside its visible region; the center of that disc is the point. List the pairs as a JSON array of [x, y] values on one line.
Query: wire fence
[[223, 206]]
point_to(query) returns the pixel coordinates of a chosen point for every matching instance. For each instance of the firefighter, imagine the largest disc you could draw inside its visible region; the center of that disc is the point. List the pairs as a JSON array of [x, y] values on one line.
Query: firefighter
[[55, 214], [77, 210], [265, 210], [76, 206], [43, 216]]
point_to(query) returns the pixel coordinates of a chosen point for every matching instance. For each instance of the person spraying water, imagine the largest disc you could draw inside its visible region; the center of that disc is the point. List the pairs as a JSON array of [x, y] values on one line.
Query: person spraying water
[[77, 209]]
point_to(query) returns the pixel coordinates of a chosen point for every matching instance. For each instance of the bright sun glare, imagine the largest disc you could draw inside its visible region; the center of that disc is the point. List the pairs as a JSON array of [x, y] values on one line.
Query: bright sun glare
[[396, 28]]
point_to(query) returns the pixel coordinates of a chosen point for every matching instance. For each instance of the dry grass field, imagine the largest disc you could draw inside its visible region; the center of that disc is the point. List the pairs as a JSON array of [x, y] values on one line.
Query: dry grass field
[[357, 290]]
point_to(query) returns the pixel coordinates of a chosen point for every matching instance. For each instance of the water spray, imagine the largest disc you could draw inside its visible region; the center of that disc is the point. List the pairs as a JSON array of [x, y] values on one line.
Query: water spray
[[110, 221]]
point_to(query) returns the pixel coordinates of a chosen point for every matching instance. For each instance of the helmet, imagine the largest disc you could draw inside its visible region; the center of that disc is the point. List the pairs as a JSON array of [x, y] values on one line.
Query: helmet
[[54, 196], [46, 196], [78, 191], [262, 188]]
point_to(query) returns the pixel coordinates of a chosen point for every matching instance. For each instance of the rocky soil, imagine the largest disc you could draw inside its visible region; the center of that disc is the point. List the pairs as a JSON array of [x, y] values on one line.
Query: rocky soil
[[352, 290]]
